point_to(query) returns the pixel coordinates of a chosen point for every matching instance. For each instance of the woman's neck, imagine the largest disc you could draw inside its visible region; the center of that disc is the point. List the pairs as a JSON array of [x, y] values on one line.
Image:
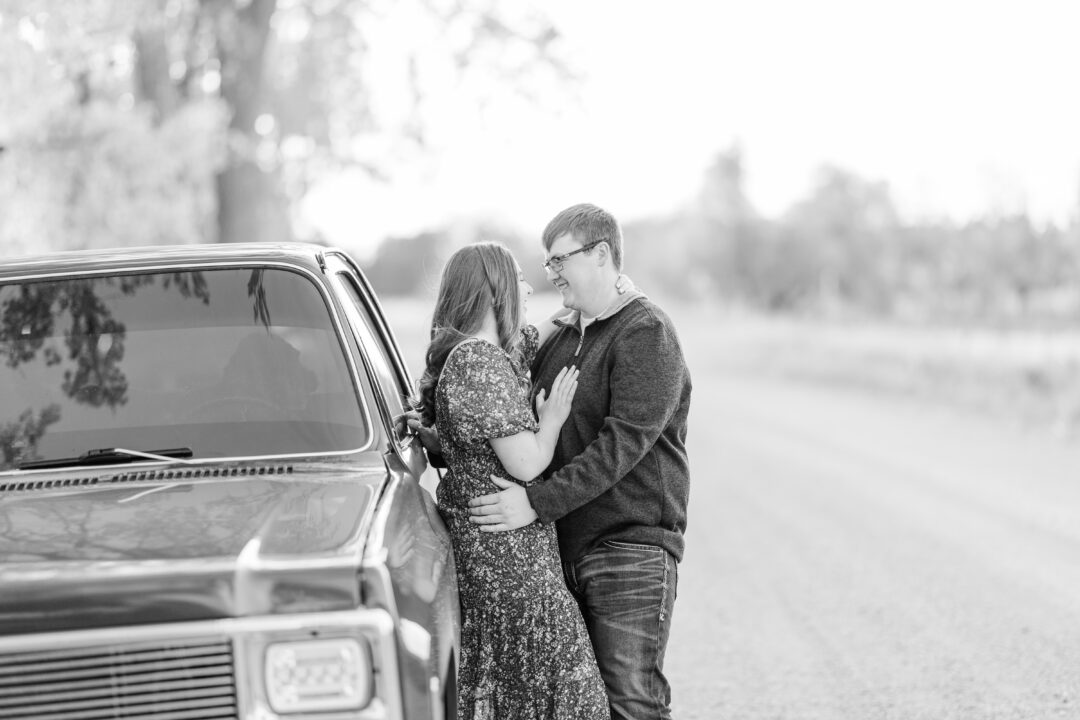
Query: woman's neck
[[488, 330]]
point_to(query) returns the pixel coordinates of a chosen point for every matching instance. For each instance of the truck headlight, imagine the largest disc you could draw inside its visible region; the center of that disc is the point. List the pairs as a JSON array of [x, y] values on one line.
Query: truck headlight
[[314, 675]]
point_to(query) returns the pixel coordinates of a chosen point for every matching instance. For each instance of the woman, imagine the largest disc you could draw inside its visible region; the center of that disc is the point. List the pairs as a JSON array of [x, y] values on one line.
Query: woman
[[525, 652]]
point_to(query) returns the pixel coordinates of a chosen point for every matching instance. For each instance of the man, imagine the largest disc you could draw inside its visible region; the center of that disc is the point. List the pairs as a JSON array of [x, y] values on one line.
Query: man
[[619, 481]]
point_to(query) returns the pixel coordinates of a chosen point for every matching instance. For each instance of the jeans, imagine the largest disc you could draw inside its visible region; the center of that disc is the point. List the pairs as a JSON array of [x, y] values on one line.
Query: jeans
[[627, 592]]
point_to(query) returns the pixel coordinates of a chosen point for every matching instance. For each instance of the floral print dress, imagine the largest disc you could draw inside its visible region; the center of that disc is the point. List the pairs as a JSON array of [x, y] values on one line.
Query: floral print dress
[[525, 652]]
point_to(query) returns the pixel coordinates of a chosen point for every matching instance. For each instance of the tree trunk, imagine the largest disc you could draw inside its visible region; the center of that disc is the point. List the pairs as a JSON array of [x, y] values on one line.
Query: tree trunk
[[251, 203], [153, 82]]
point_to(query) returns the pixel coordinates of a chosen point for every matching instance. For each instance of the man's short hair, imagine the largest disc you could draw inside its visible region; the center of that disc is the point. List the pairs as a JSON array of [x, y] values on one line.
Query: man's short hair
[[587, 224]]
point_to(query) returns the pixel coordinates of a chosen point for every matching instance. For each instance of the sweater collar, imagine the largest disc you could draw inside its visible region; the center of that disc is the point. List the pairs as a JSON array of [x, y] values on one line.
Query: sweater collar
[[573, 317]]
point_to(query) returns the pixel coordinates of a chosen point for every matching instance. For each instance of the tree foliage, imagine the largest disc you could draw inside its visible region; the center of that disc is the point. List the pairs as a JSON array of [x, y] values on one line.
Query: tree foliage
[[412, 265], [84, 163], [195, 120], [845, 248]]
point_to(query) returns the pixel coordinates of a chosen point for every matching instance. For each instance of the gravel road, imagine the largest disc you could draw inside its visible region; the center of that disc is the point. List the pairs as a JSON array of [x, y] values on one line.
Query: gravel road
[[860, 556]]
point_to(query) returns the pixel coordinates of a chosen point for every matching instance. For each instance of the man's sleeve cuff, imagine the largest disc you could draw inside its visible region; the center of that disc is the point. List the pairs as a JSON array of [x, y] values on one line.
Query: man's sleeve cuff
[[538, 500]]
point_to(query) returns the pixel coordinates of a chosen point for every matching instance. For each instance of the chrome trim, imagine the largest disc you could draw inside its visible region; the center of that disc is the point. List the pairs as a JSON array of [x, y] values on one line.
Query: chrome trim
[[375, 551], [318, 280], [402, 365], [334, 277]]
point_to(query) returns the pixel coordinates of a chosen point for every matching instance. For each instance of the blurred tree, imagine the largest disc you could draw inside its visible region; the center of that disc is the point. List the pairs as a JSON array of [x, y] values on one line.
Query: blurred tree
[[1008, 266], [923, 258], [19, 439], [412, 265], [749, 259], [1029, 261], [86, 164], [720, 245], [845, 248], [702, 249], [656, 254], [408, 265], [728, 231], [849, 223], [142, 100]]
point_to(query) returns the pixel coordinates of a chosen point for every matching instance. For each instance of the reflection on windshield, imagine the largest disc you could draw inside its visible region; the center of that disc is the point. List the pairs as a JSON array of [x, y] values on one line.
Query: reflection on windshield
[[20, 438], [231, 362]]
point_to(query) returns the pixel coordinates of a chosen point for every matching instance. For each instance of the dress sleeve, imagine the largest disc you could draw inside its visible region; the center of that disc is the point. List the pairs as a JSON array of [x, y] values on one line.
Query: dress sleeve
[[485, 397]]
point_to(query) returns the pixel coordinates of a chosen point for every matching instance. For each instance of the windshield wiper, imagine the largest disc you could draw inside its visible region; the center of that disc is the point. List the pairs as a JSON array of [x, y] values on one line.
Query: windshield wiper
[[110, 456]]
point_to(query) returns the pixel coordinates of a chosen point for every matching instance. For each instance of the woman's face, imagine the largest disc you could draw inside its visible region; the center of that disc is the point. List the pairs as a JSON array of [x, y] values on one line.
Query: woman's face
[[526, 290]]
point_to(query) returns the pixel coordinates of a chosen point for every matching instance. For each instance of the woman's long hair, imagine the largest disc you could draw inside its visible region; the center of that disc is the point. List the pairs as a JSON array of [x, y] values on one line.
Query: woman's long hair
[[476, 277]]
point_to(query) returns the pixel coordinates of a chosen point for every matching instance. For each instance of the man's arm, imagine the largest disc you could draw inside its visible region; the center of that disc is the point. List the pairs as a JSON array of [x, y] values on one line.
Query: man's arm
[[646, 386], [508, 509]]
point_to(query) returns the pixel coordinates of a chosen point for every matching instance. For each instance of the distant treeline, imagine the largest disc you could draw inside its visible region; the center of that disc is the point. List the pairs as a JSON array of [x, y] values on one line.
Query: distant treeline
[[843, 249]]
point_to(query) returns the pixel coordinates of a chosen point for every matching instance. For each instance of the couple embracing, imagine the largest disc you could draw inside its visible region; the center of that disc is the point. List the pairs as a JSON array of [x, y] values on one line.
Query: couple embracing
[[567, 523]]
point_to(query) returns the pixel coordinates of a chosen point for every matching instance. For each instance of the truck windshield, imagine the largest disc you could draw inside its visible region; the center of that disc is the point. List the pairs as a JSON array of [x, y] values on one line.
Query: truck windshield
[[235, 362]]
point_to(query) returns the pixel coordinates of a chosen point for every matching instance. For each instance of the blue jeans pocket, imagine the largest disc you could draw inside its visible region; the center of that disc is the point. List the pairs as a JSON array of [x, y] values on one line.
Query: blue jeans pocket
[[620, 545]]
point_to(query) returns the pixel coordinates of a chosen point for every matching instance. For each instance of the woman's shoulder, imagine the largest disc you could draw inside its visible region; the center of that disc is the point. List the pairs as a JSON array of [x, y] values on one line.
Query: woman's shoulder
[[472, 351], [475, 371]]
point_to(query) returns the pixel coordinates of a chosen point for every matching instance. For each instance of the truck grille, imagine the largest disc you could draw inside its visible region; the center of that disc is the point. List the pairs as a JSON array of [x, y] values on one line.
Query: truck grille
[[180, 680]]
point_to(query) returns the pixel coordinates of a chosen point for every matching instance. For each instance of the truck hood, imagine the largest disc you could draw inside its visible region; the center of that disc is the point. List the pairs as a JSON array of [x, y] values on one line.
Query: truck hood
[[187, 544]]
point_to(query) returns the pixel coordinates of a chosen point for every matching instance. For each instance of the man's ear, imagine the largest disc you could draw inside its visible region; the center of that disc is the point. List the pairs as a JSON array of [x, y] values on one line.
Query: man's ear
[[603, 253]]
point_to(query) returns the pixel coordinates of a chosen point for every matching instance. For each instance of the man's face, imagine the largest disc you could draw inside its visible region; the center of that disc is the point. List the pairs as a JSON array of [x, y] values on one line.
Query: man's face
[[574, 275]]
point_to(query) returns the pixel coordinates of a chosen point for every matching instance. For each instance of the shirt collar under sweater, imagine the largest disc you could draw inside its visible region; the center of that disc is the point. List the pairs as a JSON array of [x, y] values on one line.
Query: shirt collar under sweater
[[573, 317]]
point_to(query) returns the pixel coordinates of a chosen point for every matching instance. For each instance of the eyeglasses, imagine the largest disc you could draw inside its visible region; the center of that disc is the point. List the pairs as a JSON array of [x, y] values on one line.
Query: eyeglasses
[[555, 263]]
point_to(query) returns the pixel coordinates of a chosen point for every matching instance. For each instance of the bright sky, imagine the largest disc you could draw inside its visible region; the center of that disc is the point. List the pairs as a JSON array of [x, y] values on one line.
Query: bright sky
[[962, 107]]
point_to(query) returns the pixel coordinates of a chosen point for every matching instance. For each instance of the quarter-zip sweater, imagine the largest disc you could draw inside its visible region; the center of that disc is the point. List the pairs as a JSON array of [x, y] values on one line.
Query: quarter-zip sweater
[[620, 471]]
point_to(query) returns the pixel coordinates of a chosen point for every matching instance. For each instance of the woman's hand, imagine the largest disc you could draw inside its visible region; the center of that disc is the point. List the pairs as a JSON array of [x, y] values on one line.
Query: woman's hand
[[556, 408], [624, 284], [526, 454], [428, 434]]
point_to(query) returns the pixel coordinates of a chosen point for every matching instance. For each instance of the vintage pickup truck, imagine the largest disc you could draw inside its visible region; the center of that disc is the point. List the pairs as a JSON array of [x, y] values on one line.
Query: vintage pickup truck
[[207, 509]]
